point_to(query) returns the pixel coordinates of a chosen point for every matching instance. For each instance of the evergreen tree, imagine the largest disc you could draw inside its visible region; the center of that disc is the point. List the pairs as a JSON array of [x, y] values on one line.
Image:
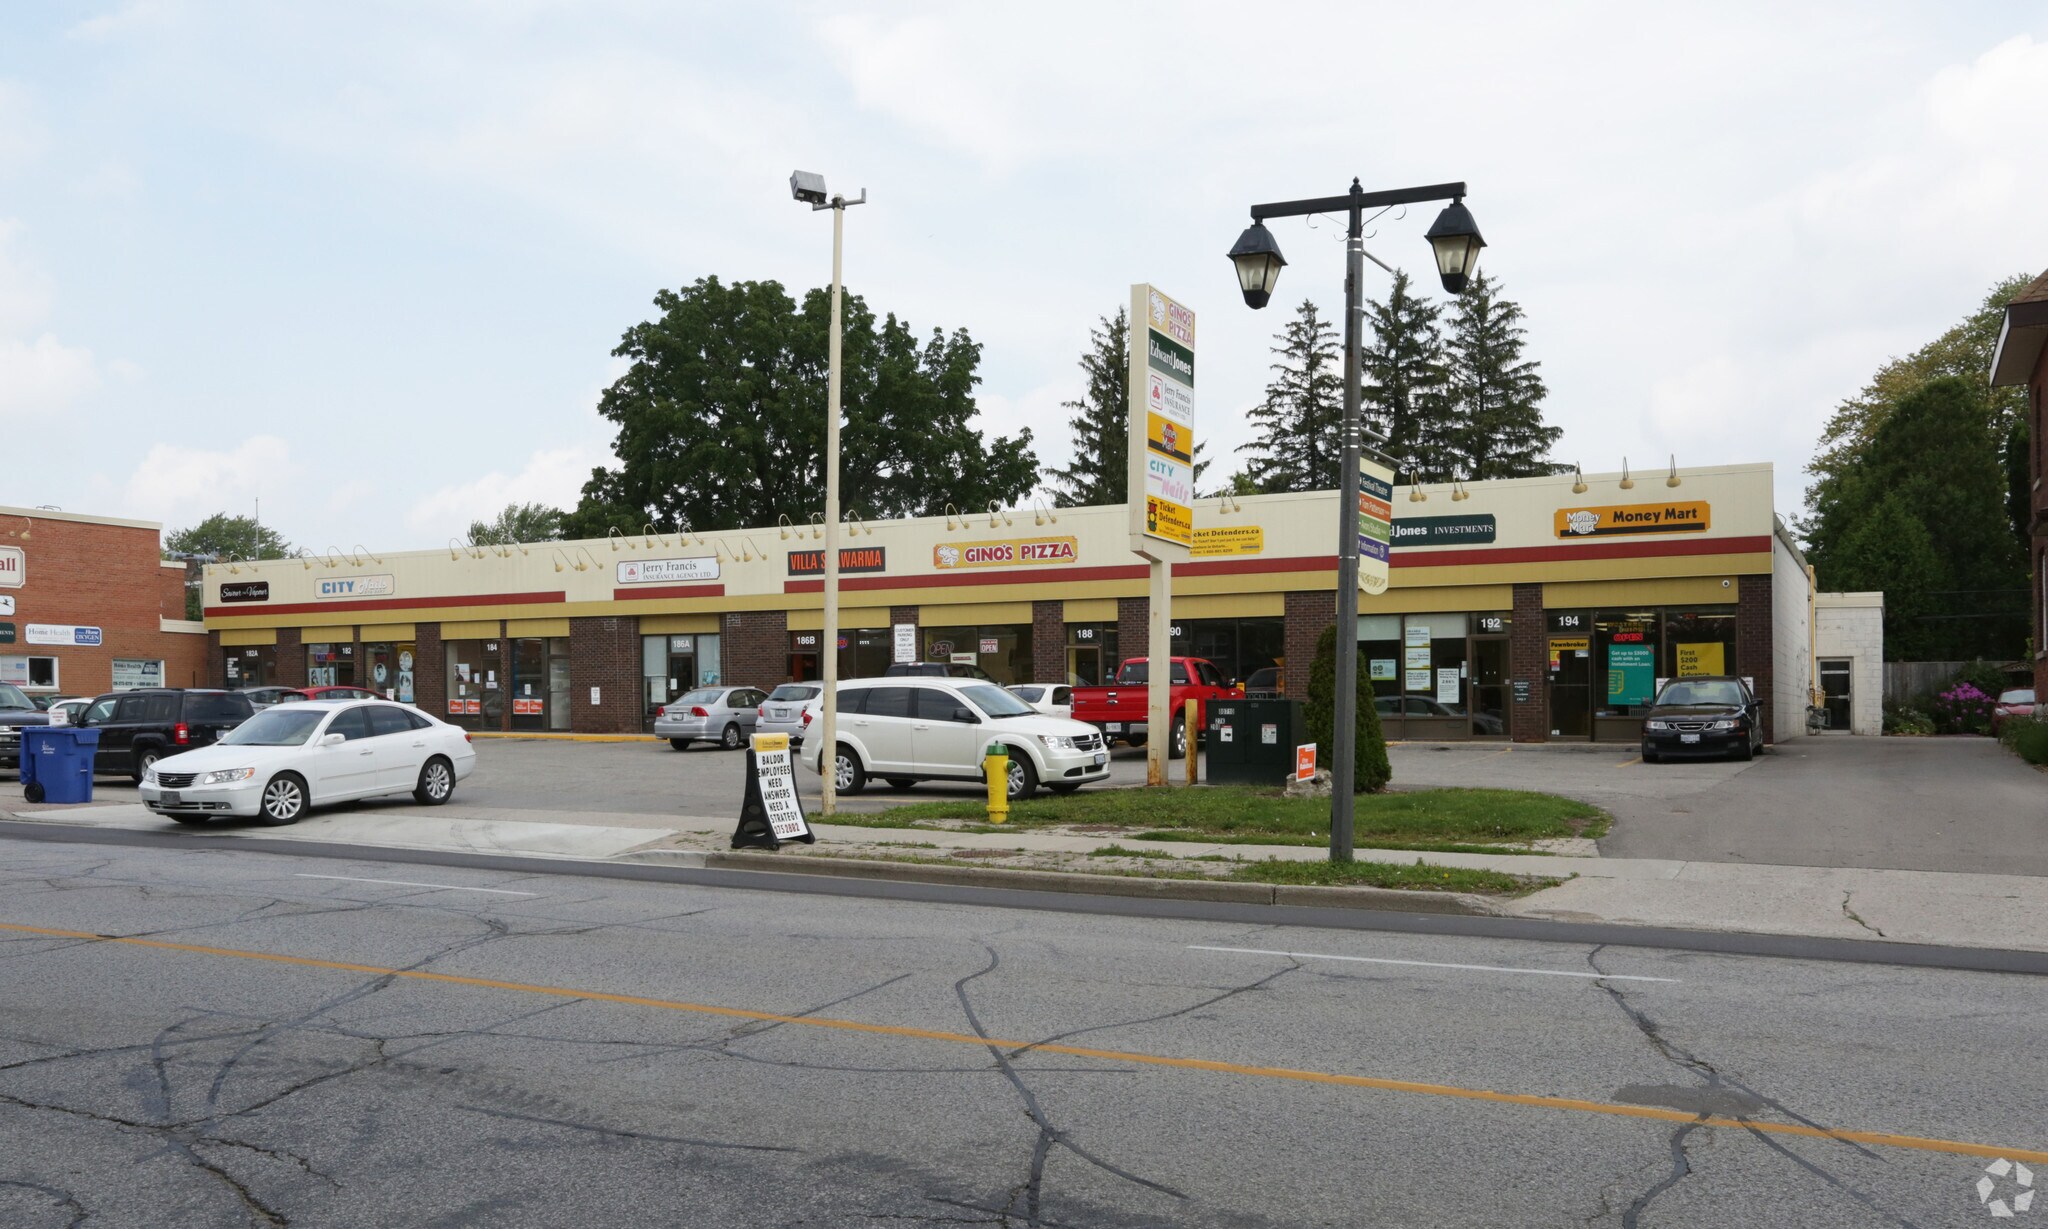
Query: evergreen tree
[[1405, 396], [1100, 420], [1298, 446], [1371, 769], [1498, 429]]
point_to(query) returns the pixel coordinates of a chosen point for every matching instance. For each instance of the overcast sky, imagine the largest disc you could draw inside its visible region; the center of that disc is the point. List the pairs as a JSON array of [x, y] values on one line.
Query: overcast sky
[[367, 262]]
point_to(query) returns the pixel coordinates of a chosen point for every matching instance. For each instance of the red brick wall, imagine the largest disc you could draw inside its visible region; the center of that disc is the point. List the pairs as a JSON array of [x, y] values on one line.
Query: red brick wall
[[429, 670], [1528, 661], [1133, 629], [105, 576], [756, 647], [1753, 650], [604, 652], [2037, 394], [1308, 612], [291, 659], [1049, 642]]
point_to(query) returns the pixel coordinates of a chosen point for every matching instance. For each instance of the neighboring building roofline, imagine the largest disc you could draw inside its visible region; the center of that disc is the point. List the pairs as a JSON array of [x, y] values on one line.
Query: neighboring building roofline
[[45, 514], [1783, 533], [1850, 600], [2021, 335]]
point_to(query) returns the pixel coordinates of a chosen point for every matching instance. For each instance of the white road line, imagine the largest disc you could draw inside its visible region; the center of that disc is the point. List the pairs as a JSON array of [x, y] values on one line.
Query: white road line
[[1428, 964], [405, 883]]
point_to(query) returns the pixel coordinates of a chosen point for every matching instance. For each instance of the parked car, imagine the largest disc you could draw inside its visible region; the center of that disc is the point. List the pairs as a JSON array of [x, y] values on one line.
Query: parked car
[[1423, 706], [138, 728], [783, 711], [1052, 699], [285, 759], [66, 710], [263, 697], [1265, 684], [1703, 715], [722, 715], [2013, 702], [936, 670], [906, 730], [1119, 710], [16, 711], [339, 691]]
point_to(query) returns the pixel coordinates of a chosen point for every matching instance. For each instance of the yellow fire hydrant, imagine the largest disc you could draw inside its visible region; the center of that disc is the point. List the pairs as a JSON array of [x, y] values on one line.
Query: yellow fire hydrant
[[996, 763]]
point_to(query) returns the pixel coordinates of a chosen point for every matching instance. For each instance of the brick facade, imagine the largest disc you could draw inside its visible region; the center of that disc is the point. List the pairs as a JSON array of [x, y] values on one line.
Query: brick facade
[[429, 670], [288, 659], [1308, 612], [756, 647], [1528, 661], [1049, 642], [604, 652], [1754, 655], [86, 572], [1133, 627]]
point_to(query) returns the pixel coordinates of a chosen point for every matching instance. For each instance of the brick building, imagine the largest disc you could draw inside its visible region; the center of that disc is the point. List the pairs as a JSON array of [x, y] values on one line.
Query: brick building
[[1535, 609], [2021, 359], [88, 605]]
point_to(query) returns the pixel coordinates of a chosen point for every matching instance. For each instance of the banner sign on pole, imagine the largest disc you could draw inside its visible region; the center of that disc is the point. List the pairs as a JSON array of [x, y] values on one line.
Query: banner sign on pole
[[772, 813], [1162, 423], [1375, 523]]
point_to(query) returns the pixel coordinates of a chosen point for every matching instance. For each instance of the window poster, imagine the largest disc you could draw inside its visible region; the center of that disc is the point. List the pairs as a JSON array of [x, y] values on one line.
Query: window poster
[[1447, 685], [1418, 658], [1631, 673], [1418, 680], [1418, 635], [1701, 659], [1382, 669]]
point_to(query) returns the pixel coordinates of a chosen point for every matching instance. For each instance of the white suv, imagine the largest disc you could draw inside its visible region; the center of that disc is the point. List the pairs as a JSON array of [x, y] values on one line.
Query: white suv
[[905, 730]]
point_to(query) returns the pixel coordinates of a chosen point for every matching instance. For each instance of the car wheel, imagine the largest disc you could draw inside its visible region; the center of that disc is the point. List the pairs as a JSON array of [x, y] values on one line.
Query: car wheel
[[436, 784], [284, 800], [731, 739], [1745, 751], [1177, 745], [1134, 740], [1023, 778], [144, 761], [899, 784], [680, 744], [848, 777], [1066, 787]]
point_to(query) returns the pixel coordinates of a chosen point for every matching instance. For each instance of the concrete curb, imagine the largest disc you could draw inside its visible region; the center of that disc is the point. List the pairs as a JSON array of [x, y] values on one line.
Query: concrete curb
[[1391, 899]]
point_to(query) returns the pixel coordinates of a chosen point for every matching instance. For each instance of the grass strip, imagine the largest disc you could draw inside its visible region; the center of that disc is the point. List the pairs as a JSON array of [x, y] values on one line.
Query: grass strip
[[1419, 877]]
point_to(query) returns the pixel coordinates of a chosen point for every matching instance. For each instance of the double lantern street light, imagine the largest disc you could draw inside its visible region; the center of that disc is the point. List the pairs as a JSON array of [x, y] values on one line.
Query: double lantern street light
[[1454, 238]]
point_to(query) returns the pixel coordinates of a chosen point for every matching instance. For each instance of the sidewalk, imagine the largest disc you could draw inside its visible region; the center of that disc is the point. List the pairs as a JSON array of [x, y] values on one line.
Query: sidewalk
[[1962, 910]]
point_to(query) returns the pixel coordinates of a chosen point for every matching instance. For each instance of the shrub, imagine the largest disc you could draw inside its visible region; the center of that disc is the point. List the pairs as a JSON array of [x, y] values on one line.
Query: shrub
[[1371, 770], [1904, 720], [2026, 737], [1986, 676], [1963, 709]]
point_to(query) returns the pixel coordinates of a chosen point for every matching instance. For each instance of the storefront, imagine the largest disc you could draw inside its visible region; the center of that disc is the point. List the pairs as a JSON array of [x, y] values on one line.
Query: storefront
[[1540, 609]]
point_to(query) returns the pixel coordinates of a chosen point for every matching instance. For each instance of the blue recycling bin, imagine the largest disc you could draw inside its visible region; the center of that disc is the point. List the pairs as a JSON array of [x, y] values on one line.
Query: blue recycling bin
[[56, 762]]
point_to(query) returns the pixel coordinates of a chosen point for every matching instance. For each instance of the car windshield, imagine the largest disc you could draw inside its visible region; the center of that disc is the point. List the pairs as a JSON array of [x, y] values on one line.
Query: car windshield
[[275, 727], [995, 701], [795, 691], [2022, 695], [1719, 691], [708, 696], [14, 697], [1030, 695]]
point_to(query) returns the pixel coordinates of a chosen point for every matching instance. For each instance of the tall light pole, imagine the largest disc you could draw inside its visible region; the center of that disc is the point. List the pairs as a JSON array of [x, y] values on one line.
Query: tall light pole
[[1454, 238], [808, 187]]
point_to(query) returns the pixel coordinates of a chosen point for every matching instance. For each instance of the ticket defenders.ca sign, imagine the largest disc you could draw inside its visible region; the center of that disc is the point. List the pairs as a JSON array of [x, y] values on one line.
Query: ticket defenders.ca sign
[[1161, 476], [1375, 523]]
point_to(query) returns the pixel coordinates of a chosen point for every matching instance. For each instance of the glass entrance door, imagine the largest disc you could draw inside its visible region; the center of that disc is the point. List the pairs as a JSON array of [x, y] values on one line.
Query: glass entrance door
[[1489, 692], [1084, 665], [1570, 689], [1835, 689]]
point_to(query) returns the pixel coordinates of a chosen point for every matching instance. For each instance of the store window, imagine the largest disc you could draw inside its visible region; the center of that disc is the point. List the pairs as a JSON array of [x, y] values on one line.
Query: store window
[[131, 673], [1236, 646], [540, 684], [476, 695], [1003, 650], [389, 665], [29, 673], [1379, 643], [329, 665], [1624, 666], [1698, 640], [249, 666], [672, 665], [1092, 658]]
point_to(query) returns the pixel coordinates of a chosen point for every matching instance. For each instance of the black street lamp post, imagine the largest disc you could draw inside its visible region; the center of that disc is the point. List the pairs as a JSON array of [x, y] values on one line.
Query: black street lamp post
[[1454, 238]]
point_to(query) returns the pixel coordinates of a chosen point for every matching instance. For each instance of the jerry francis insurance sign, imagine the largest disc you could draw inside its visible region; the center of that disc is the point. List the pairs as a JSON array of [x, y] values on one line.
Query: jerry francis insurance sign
[[1004, 553]]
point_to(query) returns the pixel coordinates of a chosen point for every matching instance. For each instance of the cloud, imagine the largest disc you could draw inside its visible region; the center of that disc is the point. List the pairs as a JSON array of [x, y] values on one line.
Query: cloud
[[134, 17], [552, 476], [165, 485], [42, 375], [21, 134]]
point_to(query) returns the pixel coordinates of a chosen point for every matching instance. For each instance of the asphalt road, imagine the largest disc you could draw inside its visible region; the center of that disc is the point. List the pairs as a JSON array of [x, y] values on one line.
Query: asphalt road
[[284, 1040]]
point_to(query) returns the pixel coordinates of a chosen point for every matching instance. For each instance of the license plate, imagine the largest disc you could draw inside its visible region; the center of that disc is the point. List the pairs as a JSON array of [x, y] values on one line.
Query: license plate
[[1100, 759], [1115, 727], [171, 798], [1688, 738]]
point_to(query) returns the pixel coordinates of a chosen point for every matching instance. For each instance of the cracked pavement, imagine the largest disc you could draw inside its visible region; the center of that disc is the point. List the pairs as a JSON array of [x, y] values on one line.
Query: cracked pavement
[[150, 1086]]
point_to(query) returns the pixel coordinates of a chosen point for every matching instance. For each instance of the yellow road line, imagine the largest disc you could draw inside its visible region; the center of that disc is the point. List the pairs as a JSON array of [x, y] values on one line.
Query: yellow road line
[[1883, 1139], [1626, 763]]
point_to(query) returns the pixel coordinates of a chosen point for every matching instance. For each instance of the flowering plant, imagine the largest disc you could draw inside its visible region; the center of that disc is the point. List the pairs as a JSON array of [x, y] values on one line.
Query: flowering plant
[[1962, 709]]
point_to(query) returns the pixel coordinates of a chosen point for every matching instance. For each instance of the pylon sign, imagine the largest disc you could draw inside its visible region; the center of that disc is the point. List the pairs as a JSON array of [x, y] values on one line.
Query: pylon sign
[[1161, 477]]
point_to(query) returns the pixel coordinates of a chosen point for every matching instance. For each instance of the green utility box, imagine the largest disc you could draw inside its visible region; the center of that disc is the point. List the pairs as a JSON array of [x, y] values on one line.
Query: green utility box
[[1251, 742]]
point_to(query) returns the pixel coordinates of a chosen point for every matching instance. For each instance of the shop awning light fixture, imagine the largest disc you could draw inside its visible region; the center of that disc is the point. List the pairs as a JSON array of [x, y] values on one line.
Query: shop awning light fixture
[[650, 536], [368, 554], [783, 525], [1673, 480], [1579, 485], [817, 524], [996, 515], [1416, 494], [1627, 483], [1040, 514], [856, 526], [952, 517], [1459, 493], [613, 536]]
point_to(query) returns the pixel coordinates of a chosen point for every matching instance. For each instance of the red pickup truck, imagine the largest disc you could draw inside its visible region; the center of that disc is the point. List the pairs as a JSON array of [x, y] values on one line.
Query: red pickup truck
[[1119, 709]]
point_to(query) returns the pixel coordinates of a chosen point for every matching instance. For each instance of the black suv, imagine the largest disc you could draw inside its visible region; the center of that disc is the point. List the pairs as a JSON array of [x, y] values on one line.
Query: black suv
[[1703, 715], [138, 728], [936, 670], [16, 711]]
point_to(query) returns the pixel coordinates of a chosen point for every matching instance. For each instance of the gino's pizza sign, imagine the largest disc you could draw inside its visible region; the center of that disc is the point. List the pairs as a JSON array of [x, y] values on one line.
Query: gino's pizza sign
[[1006, 552]]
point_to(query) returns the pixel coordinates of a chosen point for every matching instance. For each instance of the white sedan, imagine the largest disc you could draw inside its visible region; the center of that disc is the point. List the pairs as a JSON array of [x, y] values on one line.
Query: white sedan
[[285, 759]]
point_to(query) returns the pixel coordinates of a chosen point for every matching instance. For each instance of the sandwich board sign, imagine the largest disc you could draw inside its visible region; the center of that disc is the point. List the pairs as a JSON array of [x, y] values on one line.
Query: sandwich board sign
[[772, 813]]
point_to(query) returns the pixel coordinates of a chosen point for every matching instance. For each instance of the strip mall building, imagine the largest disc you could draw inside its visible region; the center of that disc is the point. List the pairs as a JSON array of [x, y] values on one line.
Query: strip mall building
[[1541, 609]]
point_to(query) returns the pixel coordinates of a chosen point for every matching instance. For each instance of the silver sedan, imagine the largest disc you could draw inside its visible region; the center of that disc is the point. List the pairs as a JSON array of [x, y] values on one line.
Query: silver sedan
[[724, 715]]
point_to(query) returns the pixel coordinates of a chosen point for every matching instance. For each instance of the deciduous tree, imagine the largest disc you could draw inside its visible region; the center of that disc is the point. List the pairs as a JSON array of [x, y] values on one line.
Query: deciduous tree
[[219, 538], [518, 523]]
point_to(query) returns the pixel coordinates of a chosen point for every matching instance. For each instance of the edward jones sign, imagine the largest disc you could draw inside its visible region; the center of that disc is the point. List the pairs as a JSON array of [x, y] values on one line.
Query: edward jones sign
[[1630, 519], [1007, 552]]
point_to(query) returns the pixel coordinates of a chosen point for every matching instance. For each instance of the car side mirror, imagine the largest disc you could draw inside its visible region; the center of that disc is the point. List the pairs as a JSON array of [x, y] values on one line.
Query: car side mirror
[[333, 740], [965, 716]]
